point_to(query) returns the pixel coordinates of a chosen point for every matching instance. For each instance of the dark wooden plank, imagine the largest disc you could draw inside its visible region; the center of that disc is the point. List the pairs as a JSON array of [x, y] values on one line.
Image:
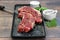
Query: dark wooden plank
[[52, 33]]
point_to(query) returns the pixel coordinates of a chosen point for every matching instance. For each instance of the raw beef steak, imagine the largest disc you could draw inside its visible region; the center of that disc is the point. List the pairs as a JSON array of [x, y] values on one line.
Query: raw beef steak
[[26, 9], [27, 23], [29, 16]]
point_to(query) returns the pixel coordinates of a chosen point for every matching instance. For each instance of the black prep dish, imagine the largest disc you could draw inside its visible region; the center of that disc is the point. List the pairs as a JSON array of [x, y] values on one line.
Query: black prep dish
[[37, 32]]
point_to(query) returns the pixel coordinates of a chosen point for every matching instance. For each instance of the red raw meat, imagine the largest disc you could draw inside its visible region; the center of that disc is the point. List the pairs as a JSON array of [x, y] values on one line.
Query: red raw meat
[[29, 16], [27, 23], [26, 9]]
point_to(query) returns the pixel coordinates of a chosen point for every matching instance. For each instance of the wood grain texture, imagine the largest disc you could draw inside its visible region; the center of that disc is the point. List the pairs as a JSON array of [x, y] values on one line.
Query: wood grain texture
[[5, 24], [6, 20], [31, 39]]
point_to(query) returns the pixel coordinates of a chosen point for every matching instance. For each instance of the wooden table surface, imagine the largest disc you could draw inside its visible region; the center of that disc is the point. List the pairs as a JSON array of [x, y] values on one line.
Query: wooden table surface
[[6, 20]]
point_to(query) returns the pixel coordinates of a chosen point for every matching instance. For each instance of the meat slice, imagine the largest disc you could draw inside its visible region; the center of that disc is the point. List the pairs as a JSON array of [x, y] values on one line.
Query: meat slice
[[27, 23], [26, 9], [29, 16]]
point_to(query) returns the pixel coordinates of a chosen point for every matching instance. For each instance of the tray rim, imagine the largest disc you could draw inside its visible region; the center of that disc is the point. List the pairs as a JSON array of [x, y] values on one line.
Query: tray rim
[[14, 20]]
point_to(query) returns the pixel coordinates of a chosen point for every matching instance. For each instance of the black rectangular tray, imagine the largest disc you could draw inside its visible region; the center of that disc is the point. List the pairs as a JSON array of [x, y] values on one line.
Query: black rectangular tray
[[38, 31]]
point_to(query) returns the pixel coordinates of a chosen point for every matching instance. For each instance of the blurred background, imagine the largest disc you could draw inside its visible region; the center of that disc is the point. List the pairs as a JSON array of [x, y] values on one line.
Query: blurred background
[[6, 18]]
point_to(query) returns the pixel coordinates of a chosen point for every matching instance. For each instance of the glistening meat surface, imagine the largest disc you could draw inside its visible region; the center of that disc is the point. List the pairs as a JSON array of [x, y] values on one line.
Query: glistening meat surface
[[27, 23], [27, 9], [29, 16]]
